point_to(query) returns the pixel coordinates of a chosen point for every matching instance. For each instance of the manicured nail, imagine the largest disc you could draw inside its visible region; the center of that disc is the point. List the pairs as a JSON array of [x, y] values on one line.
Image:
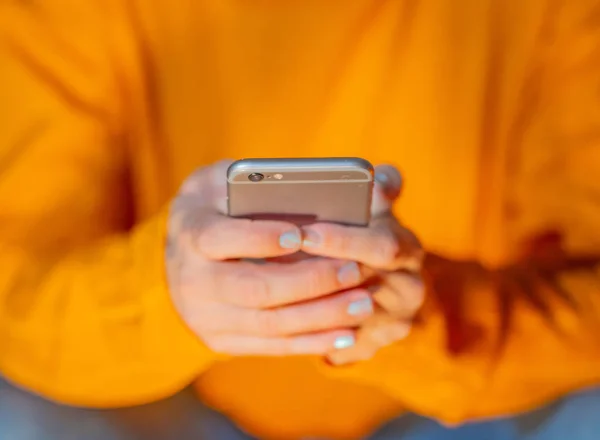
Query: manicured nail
[[311, 238], [343, 342], [382, 179], [349, 274], [361, 307], [390, 185], [289, 240]]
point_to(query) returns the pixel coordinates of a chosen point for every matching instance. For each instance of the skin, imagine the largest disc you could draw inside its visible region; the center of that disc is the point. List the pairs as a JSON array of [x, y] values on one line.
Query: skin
[[357, 294]]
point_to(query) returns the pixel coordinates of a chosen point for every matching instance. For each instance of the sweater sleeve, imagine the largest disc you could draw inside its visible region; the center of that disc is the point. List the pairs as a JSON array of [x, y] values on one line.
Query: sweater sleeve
[[85, 314], [499, 342]]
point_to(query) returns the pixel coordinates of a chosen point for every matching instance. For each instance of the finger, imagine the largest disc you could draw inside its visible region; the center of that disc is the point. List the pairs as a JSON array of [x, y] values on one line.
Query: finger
[[401, 295], [388, 185], [379, 331], [217, 237], [271, 285], [342, 310], [383, 245], [209, 184], [338, 358], [313, 344], [384, 329], [362, 350]]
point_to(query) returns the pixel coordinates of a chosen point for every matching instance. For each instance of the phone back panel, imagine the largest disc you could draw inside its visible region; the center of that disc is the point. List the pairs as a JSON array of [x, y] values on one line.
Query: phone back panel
[[330, 192]]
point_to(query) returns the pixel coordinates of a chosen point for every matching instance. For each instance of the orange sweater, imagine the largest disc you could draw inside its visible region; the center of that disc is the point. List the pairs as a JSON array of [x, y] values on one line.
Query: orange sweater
[[490, 107]]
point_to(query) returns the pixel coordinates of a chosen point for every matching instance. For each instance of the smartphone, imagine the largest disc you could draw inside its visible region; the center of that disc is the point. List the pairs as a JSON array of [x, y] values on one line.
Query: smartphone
[[303, 190]]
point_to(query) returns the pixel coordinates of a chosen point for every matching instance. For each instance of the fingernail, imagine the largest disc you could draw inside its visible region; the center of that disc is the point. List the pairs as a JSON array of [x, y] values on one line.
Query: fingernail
[[382, 179], [289, 240], [361, 307], [390, 185], [349, 274], [343, 342], [311, 238]]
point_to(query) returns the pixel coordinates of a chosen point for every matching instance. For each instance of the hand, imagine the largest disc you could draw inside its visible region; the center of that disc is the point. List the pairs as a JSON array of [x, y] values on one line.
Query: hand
[[244, 308], [391, 256]]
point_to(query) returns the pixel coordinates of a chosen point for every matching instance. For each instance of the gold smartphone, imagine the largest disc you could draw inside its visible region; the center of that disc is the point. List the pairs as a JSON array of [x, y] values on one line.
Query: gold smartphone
[[303, 190]]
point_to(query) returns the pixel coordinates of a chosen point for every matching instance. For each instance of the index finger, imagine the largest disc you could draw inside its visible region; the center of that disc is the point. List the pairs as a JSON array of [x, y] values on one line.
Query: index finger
[[218, 237], [384, 245]]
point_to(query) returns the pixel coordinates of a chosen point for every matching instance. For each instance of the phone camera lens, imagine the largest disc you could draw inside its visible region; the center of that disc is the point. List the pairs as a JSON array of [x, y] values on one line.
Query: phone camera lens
[[255, 177]]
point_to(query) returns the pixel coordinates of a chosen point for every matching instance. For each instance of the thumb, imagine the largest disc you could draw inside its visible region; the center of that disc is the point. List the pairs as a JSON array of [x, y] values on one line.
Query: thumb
[[387, 188]]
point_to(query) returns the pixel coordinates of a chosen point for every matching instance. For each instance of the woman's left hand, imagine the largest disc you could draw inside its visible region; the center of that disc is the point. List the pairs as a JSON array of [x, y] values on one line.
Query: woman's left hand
[[389, 254]]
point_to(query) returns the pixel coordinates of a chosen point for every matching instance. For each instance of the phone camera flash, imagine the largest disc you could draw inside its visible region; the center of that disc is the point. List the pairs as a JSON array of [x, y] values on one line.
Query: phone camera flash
[[278, 176]]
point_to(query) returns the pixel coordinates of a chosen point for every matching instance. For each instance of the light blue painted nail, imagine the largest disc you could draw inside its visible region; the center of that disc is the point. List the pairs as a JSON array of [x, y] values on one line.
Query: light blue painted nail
[[289, 240], [343, 342], [382, 178], [361, 307]]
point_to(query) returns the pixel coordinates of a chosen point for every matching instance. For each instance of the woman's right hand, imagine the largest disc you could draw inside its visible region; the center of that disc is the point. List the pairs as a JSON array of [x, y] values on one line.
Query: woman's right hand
[[241, 307]]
